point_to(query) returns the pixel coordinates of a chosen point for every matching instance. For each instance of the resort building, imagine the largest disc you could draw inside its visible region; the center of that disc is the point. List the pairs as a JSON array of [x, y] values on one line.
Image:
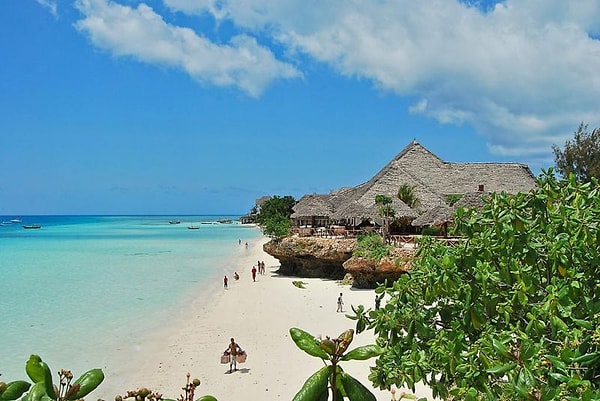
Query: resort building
[[434, 184]]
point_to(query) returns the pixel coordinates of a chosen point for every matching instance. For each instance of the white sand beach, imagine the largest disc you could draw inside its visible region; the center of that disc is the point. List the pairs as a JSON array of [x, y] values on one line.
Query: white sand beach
[[258, 315]]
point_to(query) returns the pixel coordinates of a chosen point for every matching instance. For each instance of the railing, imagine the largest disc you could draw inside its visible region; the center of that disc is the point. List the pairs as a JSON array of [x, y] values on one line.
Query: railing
[[403, 240]]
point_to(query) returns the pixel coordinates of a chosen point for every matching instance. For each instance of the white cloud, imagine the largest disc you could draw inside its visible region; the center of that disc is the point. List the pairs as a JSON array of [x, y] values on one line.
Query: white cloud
[[50, 5], [143, 34], [523, 73]]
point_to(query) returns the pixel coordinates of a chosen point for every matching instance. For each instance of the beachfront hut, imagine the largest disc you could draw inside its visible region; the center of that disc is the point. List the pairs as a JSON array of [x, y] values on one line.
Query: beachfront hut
[[312, 211], [355, 212], [352, 214]]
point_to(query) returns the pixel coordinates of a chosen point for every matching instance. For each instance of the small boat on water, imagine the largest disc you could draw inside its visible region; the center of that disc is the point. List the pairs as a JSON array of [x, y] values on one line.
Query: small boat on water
[[15, 221], [32, 226], [175, 222], [225, 221], [193, 227]]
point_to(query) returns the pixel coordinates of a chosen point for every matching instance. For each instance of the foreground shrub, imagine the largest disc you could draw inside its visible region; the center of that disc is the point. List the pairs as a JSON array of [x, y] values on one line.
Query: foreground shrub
[[512, 312]]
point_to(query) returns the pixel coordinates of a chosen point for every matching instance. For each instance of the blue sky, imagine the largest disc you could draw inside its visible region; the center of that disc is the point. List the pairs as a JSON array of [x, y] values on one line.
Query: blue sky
[[202, 106]]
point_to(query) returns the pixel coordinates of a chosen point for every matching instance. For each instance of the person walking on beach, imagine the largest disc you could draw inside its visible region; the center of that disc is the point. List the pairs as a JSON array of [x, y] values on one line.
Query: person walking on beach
[[340, 303], [253, 273], [225, 281], [233, 349]]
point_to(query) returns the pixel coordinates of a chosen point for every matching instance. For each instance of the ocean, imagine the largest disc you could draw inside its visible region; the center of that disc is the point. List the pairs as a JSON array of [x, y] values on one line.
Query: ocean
[[83, 291]]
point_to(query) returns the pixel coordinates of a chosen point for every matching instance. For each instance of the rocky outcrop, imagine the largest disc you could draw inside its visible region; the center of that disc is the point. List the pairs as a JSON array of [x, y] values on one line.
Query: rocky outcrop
[[367, 273], [332, 258], [310, 256]]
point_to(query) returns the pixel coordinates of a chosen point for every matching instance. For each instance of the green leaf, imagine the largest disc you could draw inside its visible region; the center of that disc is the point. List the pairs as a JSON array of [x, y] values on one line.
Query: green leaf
[[559, 377], [315, 386], [499, 347], [34, 369], [37, 391], [583, 323], [14, 390], [207, 398], [355, 390], [501, 369], [556, 361], [587, 358], [88, 382], [307, 343], [38, 371], [363, 352]]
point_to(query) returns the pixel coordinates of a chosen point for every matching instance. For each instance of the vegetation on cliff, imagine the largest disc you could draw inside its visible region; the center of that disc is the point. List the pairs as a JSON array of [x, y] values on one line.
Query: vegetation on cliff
[[512, 312], [274, 216], [371, 246]]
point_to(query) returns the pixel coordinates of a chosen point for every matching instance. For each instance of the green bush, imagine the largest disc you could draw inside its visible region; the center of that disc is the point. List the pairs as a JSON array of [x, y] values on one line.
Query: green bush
[[513, 313], [371, 246]]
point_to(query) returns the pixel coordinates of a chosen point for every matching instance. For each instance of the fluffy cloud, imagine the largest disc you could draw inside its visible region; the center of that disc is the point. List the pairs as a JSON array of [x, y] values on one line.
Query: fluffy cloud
[[143, 34], [50, 5], [522, 73]]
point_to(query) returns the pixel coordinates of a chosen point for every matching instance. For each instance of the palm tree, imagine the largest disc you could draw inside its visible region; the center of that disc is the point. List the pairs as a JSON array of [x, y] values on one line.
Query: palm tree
[[406, 194], [386, 211]]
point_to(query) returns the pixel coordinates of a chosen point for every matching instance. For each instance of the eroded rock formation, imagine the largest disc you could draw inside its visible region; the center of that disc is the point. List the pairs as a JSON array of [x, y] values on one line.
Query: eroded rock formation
[[367, 273], [332, 258], [310, 256]]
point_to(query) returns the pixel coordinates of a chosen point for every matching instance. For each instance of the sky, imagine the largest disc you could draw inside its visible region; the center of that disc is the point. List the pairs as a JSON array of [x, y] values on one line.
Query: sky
[[203, 106]]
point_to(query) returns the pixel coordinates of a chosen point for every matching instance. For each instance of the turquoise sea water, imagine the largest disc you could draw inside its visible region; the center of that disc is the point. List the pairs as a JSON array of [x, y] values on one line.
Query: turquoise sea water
[[84, 287]]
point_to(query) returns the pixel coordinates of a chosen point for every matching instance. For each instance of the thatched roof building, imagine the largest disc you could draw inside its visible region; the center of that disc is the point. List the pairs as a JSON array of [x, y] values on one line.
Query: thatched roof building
[[432, 180], [312, 210], [434, 217]]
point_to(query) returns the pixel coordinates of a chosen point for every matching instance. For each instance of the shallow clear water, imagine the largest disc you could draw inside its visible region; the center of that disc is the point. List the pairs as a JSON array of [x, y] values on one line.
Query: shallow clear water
[[83, 287]]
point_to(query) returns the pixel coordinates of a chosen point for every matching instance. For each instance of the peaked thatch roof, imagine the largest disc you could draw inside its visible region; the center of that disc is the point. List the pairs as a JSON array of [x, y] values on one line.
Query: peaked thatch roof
[[312, 205], [431, 179]]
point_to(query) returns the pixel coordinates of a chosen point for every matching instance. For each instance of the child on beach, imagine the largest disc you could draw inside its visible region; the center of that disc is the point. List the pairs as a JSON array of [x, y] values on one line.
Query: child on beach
[[340, 303]]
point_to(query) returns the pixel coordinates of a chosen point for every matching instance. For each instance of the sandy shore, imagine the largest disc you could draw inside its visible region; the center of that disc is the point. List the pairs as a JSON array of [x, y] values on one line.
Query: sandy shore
[[258, 315]]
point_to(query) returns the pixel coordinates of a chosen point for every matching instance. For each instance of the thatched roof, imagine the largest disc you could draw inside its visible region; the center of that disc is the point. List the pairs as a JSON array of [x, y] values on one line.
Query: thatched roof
[[353, 210], [312, 205], [360, 210], [435, 217], [431, 179], [442, 214], [472, 200]]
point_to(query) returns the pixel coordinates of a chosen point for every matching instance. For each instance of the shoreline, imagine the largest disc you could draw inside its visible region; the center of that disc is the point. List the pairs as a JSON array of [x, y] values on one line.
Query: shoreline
[[258, 315]]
